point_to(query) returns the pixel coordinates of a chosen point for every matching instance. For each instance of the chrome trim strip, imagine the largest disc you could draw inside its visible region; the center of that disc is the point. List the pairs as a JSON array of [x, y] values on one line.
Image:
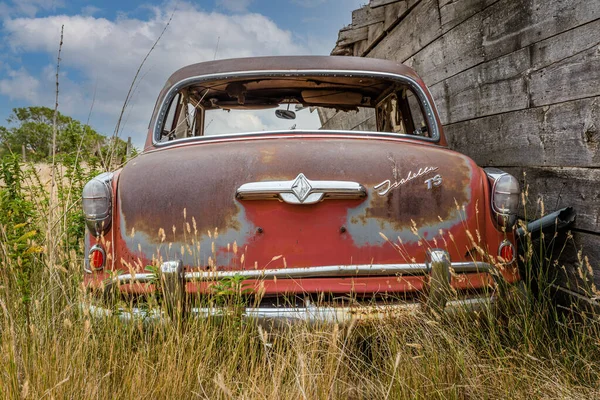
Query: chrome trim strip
[[300, 190], [330, 271], [309, 313], [427, 107], [283, 134]]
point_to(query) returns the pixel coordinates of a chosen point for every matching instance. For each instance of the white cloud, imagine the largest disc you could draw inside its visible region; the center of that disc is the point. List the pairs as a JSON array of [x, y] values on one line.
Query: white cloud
[[20, 85], [104, 56], [234, 5], [90, 10], [29, 8]]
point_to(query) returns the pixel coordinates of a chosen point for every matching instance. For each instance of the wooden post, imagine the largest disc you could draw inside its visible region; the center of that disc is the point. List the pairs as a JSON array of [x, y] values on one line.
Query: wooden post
[[24, 155]]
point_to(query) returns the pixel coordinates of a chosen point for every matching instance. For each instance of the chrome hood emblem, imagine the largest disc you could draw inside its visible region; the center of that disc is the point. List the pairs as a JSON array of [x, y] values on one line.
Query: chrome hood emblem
[[300, 190], [301, 187]]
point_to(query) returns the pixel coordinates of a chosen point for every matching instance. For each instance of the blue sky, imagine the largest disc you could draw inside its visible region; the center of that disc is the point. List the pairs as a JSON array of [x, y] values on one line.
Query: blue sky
[[105, 41]]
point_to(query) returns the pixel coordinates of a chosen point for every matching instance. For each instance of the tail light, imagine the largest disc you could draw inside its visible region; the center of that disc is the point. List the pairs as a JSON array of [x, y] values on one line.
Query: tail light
[[506, 251], [97, 203], [96, 258], [505, 196]]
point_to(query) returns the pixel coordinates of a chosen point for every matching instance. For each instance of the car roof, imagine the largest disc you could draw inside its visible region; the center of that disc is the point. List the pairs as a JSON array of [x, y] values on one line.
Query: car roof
[[285, 63], [276, 63], [291, 63]]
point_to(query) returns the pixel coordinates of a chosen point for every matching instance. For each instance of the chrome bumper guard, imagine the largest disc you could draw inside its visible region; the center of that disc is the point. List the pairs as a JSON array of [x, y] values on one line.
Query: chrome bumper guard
[[438, 267]]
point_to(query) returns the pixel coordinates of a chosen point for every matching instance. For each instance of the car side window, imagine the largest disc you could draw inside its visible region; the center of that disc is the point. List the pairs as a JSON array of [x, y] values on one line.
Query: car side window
[[183, 118], [400, 112], [419, 121]]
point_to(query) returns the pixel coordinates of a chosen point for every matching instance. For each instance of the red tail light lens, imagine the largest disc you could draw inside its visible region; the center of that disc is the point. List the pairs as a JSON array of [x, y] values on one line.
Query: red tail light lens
[[97, 258], [506, 251]]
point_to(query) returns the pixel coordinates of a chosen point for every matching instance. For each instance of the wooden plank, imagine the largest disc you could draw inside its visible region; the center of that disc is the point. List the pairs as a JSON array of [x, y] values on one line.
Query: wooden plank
[[455, 51], [350, 120], [520, 79], [370, 124], [325, 114], [454, 12], [379, 3], [367, 16], [558, 187], [589, 246], [349, 36], [581, 257], [413, 32], [572, 78], [495, 87], [513, 24], [374, 32], [565, 45], [360, 47], [572, 259], [503, 27], [394, 12], [564, 134]]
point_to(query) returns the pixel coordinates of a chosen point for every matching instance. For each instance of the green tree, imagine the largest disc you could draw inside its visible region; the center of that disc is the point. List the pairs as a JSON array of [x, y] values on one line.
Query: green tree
[[32, 128]]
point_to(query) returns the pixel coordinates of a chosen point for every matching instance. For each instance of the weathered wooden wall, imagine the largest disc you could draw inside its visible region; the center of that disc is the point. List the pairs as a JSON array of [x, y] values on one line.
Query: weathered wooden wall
[[517, 85]]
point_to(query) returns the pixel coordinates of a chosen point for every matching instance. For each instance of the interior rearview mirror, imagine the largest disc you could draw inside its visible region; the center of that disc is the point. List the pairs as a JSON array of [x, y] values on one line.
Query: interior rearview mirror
[[285, 114]]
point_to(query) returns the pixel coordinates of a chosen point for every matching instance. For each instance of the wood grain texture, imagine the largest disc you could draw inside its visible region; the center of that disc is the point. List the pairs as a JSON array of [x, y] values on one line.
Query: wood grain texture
[[350, 120], [367, 15], [573, 260], [550, 189], [413, 32], [561, 135], [394, 12], [379, 3], [454, 12], [502, 28], [509, 25], [374, 31], [349, 36], [494, 87], [543, 73], [572, 78]]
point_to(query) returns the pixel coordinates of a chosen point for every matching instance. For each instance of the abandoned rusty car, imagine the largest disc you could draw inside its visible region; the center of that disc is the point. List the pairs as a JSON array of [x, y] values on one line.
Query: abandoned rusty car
[[323, 185]]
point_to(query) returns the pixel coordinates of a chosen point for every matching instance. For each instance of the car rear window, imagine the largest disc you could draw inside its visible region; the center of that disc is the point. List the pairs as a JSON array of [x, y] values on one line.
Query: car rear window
[[278, 105]]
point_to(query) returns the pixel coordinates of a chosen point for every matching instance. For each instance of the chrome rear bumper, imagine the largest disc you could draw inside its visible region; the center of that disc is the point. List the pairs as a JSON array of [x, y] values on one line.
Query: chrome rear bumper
[[435, 257], [309, 313], [438, 268]]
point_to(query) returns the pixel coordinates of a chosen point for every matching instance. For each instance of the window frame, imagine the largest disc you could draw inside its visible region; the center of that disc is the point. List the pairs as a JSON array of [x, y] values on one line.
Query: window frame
[[427, 107]]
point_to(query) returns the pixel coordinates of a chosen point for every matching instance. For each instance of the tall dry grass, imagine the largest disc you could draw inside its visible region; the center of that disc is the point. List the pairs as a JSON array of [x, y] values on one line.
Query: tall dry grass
[[55, 349]]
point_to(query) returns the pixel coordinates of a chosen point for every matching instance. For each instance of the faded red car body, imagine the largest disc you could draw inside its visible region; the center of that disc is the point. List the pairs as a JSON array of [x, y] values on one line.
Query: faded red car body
[[181, 200]]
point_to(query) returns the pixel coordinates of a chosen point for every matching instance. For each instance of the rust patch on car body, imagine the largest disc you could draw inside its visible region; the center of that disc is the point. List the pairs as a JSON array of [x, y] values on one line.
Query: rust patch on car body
[[202, 179]]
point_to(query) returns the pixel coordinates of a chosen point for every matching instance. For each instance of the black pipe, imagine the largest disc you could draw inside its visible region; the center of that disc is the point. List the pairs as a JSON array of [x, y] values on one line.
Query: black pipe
[[549, 224]]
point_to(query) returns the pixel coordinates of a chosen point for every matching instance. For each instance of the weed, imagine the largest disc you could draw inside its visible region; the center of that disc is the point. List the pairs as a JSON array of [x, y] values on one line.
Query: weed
[[58, 350]]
